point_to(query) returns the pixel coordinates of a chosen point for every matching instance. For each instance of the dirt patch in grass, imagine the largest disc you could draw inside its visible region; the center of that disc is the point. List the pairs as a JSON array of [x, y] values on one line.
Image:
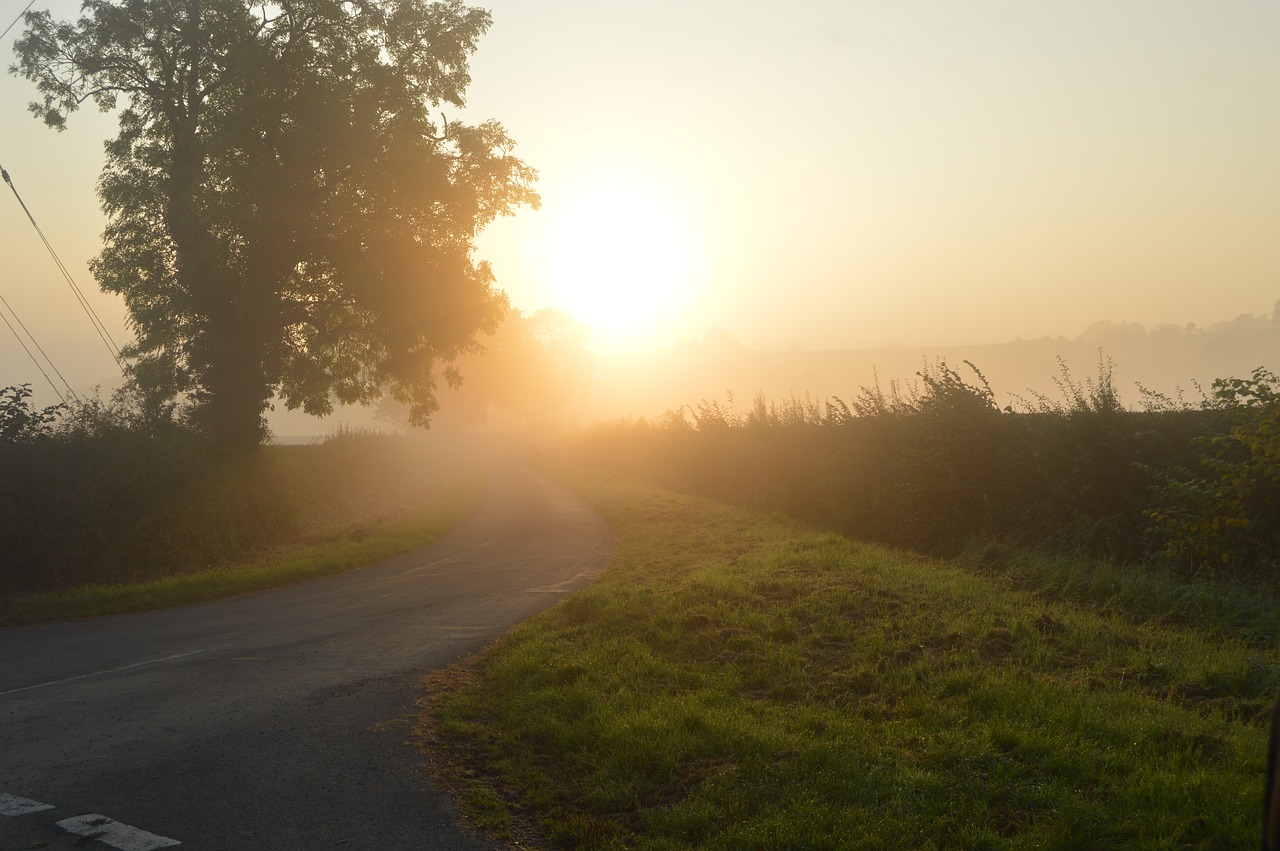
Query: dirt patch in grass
[[486, 805]]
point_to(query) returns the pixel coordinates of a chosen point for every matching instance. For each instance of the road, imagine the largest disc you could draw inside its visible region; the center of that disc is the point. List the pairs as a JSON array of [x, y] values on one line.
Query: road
[[276, 720]]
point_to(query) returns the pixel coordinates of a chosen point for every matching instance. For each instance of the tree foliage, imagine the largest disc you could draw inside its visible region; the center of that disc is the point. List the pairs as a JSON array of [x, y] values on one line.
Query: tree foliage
[[285, 213]]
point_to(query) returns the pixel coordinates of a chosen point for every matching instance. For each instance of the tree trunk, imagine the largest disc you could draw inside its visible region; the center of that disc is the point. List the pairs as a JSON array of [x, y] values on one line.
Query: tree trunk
[[226, 349]]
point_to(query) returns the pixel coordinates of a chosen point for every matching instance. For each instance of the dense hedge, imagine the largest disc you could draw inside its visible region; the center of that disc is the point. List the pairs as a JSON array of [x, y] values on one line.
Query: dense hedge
[[98, 492], [94, 493], [943, 464]]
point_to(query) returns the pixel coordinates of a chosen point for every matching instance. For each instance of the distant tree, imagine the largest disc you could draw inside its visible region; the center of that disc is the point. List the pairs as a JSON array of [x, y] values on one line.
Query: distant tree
[[532, 367], [285, 217], [539, 367]]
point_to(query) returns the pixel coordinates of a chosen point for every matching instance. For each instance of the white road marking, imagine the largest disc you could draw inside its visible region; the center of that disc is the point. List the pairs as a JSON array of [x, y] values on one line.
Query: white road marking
[[12, 805], [100, 673], [115, 834]]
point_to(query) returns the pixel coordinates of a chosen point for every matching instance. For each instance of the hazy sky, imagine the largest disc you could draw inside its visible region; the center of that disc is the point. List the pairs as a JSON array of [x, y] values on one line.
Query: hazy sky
[[828, 174]]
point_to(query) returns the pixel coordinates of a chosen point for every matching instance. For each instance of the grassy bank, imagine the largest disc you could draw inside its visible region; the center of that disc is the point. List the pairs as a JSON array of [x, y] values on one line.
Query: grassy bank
[[735, 680], [360, 544]]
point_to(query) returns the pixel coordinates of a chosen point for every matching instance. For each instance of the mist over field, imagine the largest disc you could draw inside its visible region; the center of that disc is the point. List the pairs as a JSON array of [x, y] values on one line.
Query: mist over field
[[524, 379], [1163, 359]]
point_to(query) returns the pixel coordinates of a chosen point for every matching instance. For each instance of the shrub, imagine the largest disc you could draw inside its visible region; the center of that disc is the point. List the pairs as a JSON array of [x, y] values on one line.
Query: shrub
[[20, 421], [1228, 514]]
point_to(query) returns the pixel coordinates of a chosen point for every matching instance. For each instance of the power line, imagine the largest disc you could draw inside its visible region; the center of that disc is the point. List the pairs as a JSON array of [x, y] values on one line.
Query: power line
[[98, 326], [36, 343], [15, 20], [33, 357]]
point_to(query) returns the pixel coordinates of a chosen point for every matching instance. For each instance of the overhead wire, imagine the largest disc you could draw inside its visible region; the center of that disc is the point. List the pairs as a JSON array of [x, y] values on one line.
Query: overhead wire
[[9, 307], [15, 20], [103, 334], [36, 343], [22, 343]]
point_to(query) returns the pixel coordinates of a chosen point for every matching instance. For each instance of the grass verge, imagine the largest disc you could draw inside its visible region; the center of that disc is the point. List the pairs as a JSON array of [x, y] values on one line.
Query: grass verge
[[356, 546], [735, 680], [1227, 606]]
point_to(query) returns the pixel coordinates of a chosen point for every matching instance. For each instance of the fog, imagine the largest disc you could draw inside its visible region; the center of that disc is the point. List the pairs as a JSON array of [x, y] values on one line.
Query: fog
[[538, 373]]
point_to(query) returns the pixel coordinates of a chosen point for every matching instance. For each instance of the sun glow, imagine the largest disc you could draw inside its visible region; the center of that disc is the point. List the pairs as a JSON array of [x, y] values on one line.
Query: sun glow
[[619, 260]]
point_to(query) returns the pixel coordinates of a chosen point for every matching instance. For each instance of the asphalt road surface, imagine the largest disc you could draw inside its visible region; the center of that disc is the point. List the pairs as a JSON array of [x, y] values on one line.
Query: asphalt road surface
[[275, 720]]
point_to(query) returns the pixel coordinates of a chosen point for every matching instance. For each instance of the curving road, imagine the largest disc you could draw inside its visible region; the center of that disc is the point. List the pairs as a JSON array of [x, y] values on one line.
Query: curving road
[[261, 722]]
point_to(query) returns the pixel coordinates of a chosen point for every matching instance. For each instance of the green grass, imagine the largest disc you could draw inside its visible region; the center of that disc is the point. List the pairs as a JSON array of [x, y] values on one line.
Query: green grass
[[735, 680], [354, 547], [1248, 609]]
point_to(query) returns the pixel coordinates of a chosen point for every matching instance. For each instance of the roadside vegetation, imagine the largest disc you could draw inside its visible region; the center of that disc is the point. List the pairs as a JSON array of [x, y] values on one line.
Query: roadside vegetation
[[939, 465], [915, 619], [738, 679], [107, 509]]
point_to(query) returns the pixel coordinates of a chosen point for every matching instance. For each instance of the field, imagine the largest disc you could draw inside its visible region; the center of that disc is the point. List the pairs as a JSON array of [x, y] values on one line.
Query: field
[[737, 679]]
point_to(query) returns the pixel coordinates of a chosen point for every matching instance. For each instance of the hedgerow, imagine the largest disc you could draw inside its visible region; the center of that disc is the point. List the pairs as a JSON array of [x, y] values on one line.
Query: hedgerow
[[940, 463]]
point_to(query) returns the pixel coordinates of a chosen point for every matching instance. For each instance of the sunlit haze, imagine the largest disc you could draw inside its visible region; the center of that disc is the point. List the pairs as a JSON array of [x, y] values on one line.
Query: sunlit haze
[[824, 175], [619, 260]]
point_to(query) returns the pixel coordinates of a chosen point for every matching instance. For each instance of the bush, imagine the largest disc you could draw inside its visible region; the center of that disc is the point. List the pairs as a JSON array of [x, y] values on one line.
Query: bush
[[19, 421], [1228, 514]]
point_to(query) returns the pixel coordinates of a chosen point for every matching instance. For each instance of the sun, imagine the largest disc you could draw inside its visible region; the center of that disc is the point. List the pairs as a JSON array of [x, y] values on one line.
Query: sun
[[619, 261]]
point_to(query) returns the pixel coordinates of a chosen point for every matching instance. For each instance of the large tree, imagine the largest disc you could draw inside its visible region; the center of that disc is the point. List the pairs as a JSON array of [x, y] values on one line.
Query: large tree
[[286, 215]]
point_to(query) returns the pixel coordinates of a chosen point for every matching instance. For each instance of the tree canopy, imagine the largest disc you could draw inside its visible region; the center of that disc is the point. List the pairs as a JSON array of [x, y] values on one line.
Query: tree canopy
[[286, 215]]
